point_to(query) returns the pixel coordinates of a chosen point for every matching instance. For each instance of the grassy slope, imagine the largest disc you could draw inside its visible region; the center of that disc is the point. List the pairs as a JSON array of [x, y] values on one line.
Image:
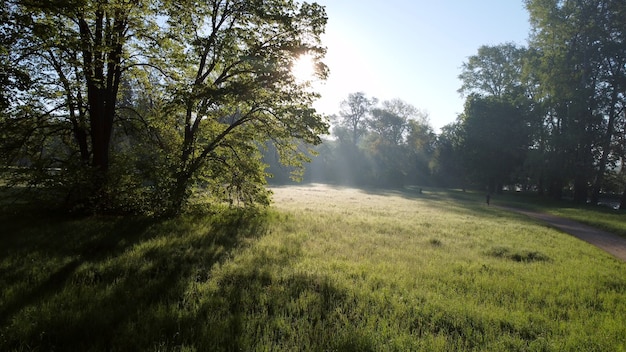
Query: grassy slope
[[329, 269]]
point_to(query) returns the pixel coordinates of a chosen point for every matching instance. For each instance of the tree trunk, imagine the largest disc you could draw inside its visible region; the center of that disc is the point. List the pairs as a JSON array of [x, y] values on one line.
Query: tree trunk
[[102, 54], [581, 189], [100, 135], [80, 135], [606, 147], [583, 169], [178, 194], [556, 189]]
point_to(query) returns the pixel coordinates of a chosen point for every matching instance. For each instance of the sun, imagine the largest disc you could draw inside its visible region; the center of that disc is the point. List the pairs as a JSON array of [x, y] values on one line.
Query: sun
[[303, 68]]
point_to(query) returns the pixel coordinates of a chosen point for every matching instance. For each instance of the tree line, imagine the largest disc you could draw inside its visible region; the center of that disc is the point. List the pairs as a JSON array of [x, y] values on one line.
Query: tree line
[[548, 117], [383, 144], [140, 106]]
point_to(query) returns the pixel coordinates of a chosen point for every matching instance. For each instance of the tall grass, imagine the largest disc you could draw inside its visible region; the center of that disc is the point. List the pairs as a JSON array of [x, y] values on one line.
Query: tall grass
[[326, 269]]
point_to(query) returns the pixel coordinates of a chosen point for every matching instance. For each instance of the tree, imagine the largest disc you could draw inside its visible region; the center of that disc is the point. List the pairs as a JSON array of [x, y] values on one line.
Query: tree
[[216, 77], [76, 53], [495, 123], [493, 71], [581, 72], [385, 144], [13, 78], [496, 140], [354, 112], [420, 142], [243, 92], [448, 166], [387, 126], [399, 140]]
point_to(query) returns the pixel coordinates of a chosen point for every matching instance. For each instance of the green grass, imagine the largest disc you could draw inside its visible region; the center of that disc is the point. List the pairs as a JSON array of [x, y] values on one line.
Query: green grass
[[327, 269]]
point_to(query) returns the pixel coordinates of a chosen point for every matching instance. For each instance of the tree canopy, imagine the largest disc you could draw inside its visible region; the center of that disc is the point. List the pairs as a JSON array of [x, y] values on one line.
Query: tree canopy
[[136, 104], [556, 108]]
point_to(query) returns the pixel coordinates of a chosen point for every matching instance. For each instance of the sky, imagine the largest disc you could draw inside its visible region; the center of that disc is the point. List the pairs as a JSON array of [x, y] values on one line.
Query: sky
[[411, 49]]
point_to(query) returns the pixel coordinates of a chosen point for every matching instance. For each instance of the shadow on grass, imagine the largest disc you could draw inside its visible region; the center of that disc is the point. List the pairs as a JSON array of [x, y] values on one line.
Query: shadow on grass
[[57, 239], [100, 284], [70, 284], [253, 310]]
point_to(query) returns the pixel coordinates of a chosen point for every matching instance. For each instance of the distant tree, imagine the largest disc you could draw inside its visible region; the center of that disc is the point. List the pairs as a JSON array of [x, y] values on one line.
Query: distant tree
[[354, 113], [447, 165], [396, 144], [385, 145], [496, 139], [399, 142], [421, 142], [387, 127]]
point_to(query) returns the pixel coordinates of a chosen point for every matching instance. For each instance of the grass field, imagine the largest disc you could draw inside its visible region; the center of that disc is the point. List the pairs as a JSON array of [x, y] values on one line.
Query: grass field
[[327, 269]]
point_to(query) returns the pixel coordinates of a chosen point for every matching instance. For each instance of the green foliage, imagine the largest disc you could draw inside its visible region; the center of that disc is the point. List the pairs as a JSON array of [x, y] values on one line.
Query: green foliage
[[493, 71], [496, 140], [147, 102], [580, 70], [353, 116], [447, 163], [394, 145], [568, 86]]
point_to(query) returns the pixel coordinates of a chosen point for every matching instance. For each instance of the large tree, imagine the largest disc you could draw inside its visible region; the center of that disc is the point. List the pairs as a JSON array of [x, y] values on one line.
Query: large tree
[[241, 92], [447, 164], [75, 53], [209, 81], [496, 140], [398, 142], [581, 74], [495, 122]]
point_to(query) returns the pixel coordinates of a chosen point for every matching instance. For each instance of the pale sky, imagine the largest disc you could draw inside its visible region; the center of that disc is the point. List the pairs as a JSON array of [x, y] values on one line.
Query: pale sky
[[412, 50]]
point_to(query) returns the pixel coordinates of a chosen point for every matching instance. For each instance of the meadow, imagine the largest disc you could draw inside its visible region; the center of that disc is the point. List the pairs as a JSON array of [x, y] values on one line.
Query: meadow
[[325, 269]]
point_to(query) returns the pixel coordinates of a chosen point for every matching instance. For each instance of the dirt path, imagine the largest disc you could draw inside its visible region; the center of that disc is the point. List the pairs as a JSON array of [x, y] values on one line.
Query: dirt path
[[607, 241]]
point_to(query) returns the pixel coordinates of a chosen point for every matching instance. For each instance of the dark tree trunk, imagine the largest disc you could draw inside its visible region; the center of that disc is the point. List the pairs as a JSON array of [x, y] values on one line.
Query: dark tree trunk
[[178, 195], [81, 137], [491, 187], [556, 189], [102, 73], [583, 169], [581, 190], [606, 148]]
